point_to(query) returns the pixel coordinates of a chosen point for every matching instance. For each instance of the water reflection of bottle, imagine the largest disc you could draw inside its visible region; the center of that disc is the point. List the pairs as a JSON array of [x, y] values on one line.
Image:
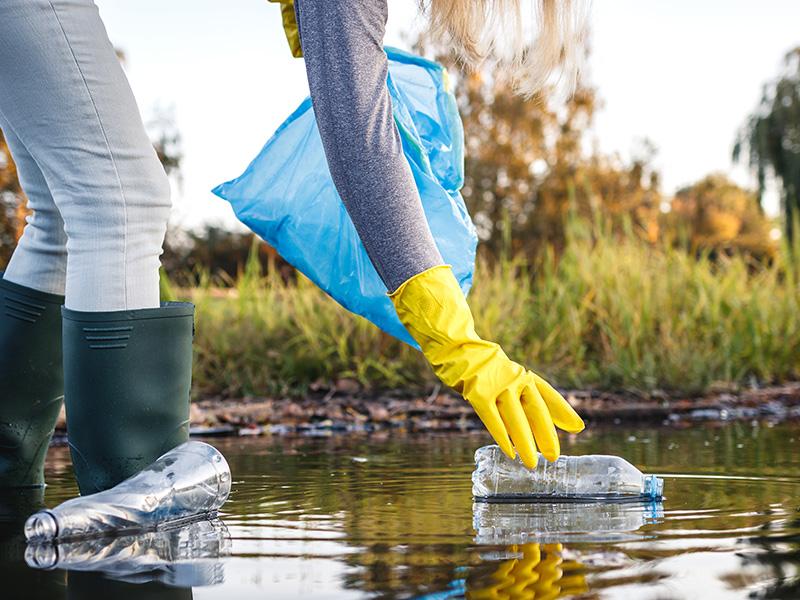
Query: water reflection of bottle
[[183, 557], [189, 481], [15, 506], [558, 522], [598, 477]]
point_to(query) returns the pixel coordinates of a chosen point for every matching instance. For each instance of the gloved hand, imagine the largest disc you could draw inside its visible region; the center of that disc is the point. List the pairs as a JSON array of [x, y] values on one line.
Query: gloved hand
[[518, 407]]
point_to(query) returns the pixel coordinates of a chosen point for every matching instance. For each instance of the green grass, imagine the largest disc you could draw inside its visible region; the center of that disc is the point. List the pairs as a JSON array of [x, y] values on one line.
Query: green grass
[[608, 313]]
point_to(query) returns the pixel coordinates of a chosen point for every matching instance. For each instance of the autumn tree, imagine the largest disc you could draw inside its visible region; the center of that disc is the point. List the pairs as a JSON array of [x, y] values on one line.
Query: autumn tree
[[717, 216], [529, 165]]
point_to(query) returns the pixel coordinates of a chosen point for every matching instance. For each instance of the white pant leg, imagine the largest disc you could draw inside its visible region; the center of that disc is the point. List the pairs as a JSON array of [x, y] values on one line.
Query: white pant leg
[[65, 96], [40, 258]]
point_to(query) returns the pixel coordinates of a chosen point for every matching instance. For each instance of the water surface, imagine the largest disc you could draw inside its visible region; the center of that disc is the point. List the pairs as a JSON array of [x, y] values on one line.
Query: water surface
[[390, 515]]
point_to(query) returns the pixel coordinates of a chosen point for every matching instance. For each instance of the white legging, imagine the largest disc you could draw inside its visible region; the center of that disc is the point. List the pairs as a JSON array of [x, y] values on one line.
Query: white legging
[[99, 195]]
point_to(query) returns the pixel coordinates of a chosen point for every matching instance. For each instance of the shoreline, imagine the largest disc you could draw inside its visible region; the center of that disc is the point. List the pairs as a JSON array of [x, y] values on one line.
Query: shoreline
[[343, 410]]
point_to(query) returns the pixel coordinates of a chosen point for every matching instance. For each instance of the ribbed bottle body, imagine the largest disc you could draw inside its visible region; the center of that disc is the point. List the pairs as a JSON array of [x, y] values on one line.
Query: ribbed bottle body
[[496, 475]]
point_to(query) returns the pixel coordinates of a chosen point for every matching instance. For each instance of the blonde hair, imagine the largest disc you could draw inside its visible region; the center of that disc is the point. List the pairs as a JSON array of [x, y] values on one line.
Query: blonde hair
[[478, 29]]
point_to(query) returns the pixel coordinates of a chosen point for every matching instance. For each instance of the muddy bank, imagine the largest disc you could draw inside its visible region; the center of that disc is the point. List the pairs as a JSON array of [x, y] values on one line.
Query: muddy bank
[[344, 410]]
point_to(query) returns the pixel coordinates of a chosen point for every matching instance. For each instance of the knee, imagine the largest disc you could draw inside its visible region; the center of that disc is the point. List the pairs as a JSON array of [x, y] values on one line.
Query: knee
[[148, 207], [149, 192], [132, 208]]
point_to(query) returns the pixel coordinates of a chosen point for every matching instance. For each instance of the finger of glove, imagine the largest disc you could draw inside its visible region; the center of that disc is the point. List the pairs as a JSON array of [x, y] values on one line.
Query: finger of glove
[[540, 422], [491, 419], [563, 415], [516, 422]]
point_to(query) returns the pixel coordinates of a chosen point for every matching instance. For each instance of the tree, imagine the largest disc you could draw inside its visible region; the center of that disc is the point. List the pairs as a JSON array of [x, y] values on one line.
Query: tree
[[717, 216], [527, 166], [222, 253], [771, 138]]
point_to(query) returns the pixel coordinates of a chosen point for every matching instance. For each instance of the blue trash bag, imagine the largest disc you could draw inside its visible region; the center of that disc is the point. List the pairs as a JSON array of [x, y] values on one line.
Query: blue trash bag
[[286, 195]]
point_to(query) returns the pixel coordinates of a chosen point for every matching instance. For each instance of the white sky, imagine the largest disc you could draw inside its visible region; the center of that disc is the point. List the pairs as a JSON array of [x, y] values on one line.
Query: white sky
[[683, 73]]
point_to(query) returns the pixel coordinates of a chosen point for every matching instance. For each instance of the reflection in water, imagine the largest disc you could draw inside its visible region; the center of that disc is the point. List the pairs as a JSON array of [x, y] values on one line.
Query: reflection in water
[[538, 569], [538, 572], [182, 557], [390, 515], [509, 523], [15, 507], [155, 565]]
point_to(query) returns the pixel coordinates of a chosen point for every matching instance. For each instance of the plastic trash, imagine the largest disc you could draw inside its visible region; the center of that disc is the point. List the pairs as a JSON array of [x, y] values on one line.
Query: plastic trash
[[595, 477], [187, 556], [286, 194], [556, 522], [190, 481]]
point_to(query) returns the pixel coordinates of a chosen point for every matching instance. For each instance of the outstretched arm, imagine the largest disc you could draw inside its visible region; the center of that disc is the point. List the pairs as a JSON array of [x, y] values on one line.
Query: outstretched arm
[[342, 41], [342, 44]]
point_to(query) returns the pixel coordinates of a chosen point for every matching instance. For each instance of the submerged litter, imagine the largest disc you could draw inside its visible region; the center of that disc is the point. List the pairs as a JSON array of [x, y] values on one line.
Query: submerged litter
[[189, 482], [591, 478]]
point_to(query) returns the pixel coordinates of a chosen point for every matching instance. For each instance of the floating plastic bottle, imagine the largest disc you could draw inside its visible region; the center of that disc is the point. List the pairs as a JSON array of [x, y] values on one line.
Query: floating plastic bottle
[[184, 556], [594, 478], [189, 482]]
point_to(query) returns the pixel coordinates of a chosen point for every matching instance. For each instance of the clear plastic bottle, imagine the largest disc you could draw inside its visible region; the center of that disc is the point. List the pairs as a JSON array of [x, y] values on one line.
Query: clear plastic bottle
[[593, 477], [188, 482]]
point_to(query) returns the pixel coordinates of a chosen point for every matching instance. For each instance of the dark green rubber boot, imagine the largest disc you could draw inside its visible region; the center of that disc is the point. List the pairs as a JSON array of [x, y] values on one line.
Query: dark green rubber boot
[[127, 377], [31, 381]]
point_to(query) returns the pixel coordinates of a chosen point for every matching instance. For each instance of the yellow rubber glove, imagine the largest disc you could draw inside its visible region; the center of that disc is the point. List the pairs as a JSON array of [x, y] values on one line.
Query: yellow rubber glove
[[515, 404], [290, 26]]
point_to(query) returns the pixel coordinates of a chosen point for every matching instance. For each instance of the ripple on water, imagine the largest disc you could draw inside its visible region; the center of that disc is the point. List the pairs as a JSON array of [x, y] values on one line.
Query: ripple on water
[[391, 516]]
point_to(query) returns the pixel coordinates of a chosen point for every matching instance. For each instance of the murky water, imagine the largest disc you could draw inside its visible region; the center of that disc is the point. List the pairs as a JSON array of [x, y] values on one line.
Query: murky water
[[390, 515]]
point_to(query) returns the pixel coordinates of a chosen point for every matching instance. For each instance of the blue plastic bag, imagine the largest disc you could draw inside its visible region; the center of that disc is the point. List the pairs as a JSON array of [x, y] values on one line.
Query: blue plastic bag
[[286, 195]]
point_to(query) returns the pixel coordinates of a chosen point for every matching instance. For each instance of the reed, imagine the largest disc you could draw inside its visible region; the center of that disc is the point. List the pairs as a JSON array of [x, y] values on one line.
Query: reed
[[608, 313]]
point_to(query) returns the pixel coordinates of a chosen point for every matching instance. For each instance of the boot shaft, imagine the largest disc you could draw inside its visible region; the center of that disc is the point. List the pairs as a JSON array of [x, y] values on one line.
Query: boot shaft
[[127, 377], [31, 381]]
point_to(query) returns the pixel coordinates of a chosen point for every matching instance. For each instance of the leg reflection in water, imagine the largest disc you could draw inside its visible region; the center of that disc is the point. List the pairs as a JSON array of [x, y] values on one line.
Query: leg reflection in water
[[539, 572], [15, 506]]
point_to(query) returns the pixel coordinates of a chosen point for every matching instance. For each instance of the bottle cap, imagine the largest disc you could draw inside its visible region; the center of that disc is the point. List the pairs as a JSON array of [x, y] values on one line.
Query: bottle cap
[[41, 526], [653, 487]]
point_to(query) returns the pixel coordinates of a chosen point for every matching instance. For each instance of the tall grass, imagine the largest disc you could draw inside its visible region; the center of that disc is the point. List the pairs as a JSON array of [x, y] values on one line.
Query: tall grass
[[608, 313]]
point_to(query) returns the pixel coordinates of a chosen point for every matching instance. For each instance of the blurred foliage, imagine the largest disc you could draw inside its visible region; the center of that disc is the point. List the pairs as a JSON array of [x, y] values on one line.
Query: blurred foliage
[[12, 204], [771, 137], [526, 168], [529, 168], [610, 312], [717, 216], [219, 251]]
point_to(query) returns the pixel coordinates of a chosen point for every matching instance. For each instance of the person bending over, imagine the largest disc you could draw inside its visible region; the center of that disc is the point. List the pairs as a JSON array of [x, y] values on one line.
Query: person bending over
[[82, 287]]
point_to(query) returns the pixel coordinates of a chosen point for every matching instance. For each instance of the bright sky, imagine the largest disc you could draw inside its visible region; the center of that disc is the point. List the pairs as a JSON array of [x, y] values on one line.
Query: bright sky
[[684, 74]]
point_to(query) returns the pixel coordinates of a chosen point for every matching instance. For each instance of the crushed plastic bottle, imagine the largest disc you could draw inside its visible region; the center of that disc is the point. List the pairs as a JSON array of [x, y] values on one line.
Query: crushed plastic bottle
[[189, 482], [186, 556], [594, 478]]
